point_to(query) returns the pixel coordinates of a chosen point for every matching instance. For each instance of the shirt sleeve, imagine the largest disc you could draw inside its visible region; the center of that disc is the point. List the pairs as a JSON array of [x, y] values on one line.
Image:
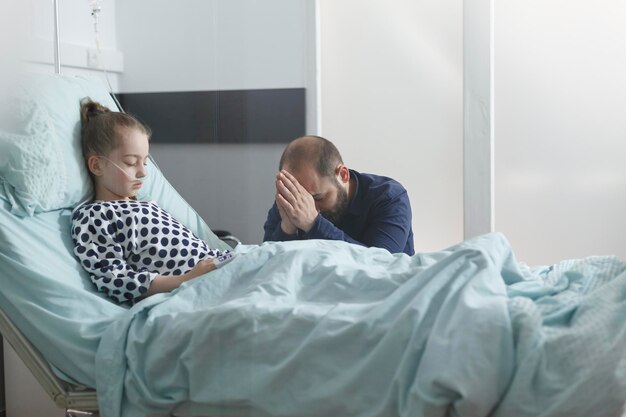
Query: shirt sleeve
[[324, 229], [273, 231], [102, 256], [388, 226]]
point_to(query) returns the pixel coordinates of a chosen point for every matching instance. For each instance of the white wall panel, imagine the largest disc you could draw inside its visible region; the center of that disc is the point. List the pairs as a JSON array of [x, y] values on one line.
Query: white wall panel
[[392, 101], [213, 44], [560, 176], [77, 37]]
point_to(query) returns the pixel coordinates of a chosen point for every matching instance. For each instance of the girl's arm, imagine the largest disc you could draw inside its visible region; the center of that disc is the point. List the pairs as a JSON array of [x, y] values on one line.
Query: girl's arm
[[168, 283], [102, 256]]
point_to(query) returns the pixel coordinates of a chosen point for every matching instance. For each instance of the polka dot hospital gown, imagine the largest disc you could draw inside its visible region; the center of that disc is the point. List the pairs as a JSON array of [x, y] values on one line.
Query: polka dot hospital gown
[[125, 244]]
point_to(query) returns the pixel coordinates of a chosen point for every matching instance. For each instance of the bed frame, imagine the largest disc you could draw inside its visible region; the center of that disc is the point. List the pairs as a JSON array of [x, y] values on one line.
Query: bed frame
[[77, 400]]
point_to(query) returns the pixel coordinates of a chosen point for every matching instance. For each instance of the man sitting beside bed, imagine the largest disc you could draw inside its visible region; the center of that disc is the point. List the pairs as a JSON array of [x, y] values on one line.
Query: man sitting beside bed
[[318, 197]]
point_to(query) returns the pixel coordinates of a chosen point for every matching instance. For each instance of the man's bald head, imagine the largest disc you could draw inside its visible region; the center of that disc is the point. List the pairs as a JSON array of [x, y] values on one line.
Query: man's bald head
[[314, 151]]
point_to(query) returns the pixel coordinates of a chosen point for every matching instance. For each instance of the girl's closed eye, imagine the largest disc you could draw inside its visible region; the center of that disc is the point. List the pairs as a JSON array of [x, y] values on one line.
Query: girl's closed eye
[[135, 164]]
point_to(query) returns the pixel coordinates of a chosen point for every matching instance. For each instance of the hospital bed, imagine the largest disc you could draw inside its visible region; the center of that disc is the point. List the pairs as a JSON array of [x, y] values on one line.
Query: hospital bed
[[56, 98], [293, 329]]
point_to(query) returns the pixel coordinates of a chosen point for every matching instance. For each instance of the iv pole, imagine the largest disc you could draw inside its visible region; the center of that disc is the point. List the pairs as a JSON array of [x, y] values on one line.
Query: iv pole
[[57, 57]]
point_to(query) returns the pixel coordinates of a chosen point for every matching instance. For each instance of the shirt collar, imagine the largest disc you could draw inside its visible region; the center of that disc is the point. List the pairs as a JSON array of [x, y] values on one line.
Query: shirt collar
[[355, 204]]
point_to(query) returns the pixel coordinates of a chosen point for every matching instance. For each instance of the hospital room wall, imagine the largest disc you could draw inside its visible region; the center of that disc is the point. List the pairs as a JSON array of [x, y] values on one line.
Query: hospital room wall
[[392, 100], [558, 98], [208, 45], [406, 113], [560, 130], [77, 39]]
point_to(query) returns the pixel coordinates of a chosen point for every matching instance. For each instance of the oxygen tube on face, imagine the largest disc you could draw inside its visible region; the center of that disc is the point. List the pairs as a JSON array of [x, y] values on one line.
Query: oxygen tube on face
[[130, 177]]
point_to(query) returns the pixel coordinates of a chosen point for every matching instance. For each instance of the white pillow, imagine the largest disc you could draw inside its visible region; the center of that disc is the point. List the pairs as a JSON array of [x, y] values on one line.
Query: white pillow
[[41, 162]]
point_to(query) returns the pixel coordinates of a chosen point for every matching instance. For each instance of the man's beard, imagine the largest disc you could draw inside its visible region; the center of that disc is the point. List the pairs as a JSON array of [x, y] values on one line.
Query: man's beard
[[335, 215]]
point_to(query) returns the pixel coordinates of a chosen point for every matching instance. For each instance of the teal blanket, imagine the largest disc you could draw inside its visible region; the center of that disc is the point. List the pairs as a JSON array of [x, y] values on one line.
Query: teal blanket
[[331, 329]]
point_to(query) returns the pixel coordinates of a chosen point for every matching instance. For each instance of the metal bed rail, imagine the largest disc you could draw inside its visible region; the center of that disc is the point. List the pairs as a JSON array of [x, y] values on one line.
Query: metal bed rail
[[76, 400]]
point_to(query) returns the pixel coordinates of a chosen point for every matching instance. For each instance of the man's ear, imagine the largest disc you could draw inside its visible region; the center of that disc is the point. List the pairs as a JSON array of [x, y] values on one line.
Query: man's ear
[[93, 163], [343, 173]]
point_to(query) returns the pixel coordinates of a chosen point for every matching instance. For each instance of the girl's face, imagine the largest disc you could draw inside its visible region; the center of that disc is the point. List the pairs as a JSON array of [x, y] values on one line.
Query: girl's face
[[119, 175]]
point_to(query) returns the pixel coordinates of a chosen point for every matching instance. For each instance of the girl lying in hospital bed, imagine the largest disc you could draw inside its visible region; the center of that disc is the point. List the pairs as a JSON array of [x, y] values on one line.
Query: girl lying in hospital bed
[[131, 249]]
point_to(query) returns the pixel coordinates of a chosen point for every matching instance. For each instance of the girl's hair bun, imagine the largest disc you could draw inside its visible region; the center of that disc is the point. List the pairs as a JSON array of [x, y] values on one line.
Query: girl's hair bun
[[100, 127], [90, 109]]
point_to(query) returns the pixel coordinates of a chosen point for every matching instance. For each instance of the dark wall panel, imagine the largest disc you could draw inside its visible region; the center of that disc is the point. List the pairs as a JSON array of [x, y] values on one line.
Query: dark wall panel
[[237, 116]]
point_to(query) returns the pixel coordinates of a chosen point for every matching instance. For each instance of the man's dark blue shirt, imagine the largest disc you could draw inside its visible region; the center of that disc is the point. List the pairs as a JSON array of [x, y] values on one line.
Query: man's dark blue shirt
[[379, 215]]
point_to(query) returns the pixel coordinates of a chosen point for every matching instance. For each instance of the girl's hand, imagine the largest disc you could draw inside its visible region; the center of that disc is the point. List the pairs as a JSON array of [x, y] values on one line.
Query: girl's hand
[[201, 268], [168, 283]]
